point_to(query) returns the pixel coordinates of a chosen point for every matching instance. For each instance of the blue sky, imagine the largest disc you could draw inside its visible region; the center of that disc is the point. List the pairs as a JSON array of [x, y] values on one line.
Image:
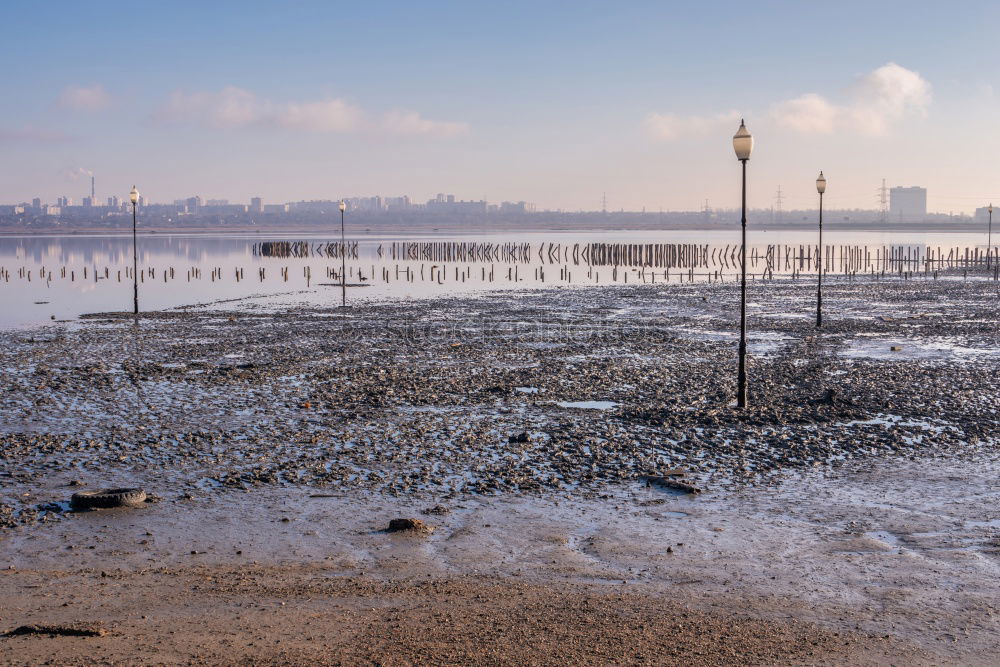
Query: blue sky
[[546, 101]]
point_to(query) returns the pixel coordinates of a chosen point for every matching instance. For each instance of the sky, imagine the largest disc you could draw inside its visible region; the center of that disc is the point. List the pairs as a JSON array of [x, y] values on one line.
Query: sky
[[554, 103]]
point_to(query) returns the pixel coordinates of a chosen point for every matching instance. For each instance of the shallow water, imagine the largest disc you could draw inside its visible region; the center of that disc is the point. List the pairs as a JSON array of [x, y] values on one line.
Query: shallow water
[[89, 273]]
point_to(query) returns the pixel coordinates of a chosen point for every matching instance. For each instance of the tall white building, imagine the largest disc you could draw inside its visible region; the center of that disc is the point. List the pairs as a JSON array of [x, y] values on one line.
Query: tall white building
[[907, 204]]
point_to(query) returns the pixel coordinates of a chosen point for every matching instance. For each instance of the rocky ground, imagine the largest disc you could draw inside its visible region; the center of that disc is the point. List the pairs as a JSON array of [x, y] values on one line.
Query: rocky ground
[[550, 397], [558, 389]]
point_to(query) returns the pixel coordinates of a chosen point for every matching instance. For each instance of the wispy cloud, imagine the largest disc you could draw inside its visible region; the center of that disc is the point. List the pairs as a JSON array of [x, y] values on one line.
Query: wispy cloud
[[331, 115], [873, 105], [412, 123], [879, 99], [234, 107], [29, 134], [81, 98], [668, 126], [228, 108]]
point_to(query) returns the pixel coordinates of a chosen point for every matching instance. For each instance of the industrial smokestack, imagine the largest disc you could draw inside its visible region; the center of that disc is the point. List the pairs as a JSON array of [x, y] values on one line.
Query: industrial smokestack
[[92, 193]]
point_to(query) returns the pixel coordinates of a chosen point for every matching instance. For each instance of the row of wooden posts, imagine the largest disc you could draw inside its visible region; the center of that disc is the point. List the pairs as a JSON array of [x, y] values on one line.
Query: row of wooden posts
[[439, 273], [779, 257]]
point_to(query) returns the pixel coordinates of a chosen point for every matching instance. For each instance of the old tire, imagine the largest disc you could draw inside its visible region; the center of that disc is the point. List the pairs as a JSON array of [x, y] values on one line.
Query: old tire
[[105, 498]]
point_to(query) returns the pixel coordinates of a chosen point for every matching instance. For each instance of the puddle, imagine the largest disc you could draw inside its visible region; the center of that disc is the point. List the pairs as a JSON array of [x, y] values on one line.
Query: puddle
[[899, 349], [587, 405]]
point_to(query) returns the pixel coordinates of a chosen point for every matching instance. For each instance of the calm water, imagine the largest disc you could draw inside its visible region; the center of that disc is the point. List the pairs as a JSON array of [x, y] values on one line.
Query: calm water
[[61, 277]]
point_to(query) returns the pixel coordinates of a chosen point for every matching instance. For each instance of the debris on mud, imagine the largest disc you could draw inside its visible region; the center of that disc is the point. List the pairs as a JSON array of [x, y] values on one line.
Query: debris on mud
[[74, 630], [107, 498], [410, 525]]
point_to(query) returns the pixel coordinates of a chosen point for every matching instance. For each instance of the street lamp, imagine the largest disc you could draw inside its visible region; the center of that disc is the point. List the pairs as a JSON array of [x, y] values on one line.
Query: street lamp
[[989, 237], [343, 261], [820, 188], [134, 197], [743, 145]]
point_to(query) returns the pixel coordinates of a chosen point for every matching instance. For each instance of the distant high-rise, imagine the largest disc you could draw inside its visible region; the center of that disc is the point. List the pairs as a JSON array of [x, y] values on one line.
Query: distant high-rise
[[257, 205], [36, 203], [907, 204]]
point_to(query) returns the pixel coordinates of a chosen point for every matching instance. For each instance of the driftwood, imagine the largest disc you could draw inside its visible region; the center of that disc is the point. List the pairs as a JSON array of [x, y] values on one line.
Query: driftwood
[[75, 630], [667, 480]]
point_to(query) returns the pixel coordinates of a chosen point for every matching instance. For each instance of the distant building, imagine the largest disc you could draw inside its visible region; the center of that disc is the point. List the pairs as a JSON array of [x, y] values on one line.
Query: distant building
[[88, 202], [36, 203], [983, 214], [256, 205], [274, 208], [517, 207], [397, 203], [452, 205], [907, 204], [217, 202]]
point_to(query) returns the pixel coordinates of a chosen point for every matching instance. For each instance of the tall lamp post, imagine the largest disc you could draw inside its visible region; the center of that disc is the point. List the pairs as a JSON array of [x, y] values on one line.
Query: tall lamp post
[[820, 188], [989, 237], [743, 145], [134, 197], [343, 260]]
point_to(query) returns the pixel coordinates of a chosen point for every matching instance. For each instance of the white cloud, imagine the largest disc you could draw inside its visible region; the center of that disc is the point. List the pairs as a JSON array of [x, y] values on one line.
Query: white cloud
[[227, 108], [668, 127], [327, 116], [807, 113], [94, 98], [411, 123], [887, 95], [234, 107], [881, 98]]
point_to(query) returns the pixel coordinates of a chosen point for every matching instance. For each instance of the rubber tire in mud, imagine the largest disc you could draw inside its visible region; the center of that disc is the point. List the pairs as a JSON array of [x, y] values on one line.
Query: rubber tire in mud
[[107, 498]]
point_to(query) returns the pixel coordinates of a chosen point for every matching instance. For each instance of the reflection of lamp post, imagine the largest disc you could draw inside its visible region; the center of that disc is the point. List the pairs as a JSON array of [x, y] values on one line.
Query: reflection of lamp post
[[343, 261], [134, 196], [743, 145], [820, 188], [989, 236]]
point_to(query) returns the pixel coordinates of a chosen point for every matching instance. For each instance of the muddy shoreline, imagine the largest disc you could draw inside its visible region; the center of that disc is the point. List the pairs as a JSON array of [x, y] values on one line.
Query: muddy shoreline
[[549, 404]]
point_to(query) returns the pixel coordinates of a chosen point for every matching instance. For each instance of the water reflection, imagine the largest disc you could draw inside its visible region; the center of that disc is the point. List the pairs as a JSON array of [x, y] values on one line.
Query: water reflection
[[75, 274]]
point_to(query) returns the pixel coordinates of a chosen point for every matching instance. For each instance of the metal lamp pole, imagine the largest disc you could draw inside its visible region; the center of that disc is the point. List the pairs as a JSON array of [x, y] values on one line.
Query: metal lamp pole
[[989, 237], [820, 188], [134, 197], [343, 260], [743, 145]]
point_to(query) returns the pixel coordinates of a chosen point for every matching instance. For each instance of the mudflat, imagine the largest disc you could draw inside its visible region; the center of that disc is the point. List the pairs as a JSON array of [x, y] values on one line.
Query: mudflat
[[847, 516]]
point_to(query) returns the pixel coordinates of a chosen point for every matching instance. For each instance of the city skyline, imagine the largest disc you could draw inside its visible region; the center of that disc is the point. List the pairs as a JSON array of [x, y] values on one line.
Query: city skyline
[[640, 103]]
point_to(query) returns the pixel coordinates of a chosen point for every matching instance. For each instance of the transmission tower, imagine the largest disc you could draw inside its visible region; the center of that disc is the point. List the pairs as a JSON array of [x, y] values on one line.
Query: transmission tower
[[883, 203], [778, 198], [604, 203]]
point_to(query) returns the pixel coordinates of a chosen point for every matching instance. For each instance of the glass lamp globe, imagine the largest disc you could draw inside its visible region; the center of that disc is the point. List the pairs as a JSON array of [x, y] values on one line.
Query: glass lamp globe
[[743, 142], [343, 207], [134, 195], [821, 183]]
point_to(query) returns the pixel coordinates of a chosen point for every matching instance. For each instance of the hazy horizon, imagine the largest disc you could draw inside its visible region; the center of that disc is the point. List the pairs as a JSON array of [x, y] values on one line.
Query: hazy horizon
[[554, 105]]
